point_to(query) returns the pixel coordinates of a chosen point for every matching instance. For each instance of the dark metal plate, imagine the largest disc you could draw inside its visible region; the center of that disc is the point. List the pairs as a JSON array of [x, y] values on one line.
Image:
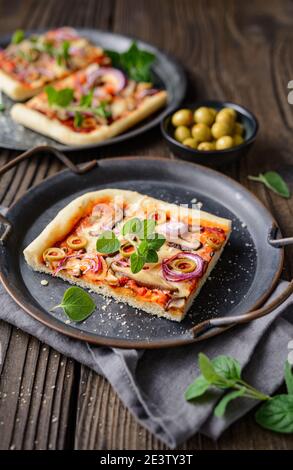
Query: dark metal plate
[[167, 74], [243, 278]]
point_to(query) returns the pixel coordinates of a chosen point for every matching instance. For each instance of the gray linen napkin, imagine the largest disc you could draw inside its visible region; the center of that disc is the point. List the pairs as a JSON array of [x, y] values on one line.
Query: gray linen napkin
[[152, 383]]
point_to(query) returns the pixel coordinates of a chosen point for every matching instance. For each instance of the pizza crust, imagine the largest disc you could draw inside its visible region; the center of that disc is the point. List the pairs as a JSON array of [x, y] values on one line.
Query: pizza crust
[[68, 217], [53, 128], [15, 89]]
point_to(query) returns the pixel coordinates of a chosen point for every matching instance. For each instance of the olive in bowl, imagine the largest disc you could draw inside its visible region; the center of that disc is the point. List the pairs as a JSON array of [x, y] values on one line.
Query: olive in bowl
[[212, 133]]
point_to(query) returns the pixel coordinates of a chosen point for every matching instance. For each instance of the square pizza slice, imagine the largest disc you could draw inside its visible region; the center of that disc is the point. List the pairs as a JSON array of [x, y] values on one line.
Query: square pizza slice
[[89, 106], [28, 64], [162, 281]]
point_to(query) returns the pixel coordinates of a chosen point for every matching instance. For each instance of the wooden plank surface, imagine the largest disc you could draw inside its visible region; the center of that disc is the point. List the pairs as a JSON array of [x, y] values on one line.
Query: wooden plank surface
[[240, 51]]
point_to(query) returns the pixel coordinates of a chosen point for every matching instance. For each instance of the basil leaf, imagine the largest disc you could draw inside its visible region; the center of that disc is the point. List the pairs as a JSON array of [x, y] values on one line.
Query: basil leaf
[[143, 248], [78, 119], [156, 241], [132, 226], [136, 262], [60, 98], [152, 256], [220, 409], [86, 100], [147, 229], [17, 37], [135, 62], [107, 242], [77, 304], [227, 367], [276, 414], [102, 110], [197, 388], [208, 371], [273, 181], [289, 378]]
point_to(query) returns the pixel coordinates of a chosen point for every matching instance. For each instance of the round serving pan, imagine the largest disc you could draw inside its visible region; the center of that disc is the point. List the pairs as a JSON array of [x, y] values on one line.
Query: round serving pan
[[244, 277], [167, 73]]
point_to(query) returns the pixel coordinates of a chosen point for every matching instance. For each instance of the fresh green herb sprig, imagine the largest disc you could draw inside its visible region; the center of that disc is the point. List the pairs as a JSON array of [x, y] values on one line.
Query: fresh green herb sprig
[[60, 53], [224, 373], [17, 37], [273, 181], [64, 98], [142, 235], [77, 304], [60, 98], [2, 107], [135, 62]]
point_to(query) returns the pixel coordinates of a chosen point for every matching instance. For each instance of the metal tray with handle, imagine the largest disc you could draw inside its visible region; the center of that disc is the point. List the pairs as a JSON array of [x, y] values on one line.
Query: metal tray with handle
[[245, 276]]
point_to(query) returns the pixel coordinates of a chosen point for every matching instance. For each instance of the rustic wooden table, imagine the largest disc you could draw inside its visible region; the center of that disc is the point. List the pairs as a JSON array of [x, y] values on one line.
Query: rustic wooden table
[[240, 51]]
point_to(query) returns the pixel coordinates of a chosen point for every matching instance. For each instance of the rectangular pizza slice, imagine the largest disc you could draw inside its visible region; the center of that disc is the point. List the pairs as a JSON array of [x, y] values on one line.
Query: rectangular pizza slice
[[139, 250], [28, 64], [89, 106]]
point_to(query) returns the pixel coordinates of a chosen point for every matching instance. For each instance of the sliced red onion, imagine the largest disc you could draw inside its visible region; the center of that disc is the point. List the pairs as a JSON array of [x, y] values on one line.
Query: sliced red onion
[[45, 72], [65, 34], [95, 264], [76, 50], [61, 266], [173, 229], [171, 275], [147, 92], [115, 76]]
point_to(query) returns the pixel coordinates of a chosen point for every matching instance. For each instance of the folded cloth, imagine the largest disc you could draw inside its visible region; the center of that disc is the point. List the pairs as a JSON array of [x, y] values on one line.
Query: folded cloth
[[152, 383]]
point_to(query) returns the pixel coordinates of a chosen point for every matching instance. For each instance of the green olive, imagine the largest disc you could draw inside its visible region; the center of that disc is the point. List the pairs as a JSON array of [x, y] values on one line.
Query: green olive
[[225, 142], [213, 111], [206, 146], [127, 250], [181, 133], [183, 117], [238, 128], [231, 111], [225, 116], [219, 129], [201, 132], [238, 139], [183, 265], [53, 254], [204, 115], [192, 143], [76, 243]]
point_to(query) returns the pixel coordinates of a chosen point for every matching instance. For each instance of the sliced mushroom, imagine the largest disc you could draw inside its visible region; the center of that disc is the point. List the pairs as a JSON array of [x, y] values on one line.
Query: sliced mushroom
[[151, 278], [176, 302]]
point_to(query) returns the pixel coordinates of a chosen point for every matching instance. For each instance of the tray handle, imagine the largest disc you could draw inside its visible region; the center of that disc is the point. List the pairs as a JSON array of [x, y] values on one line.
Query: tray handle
[[278, 242], [215, 326], [79, 170]]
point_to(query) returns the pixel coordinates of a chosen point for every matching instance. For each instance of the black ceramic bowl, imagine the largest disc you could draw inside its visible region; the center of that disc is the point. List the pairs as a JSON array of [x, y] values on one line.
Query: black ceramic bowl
[[213, 158]]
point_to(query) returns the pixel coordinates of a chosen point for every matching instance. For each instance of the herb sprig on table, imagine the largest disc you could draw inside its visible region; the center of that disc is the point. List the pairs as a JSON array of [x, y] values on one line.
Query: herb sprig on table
[[224, 373], [77, 304], [135, 62], [273, 181], [141, 234]]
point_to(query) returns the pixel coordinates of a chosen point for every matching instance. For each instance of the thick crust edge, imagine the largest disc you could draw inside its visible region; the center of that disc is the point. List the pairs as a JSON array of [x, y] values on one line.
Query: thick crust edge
[[15, 89], [53, 128]]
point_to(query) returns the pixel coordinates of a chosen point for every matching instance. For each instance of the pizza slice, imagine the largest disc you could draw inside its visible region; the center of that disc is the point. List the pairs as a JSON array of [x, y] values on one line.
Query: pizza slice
[[28, 64], [89, 106], [142, 251]]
